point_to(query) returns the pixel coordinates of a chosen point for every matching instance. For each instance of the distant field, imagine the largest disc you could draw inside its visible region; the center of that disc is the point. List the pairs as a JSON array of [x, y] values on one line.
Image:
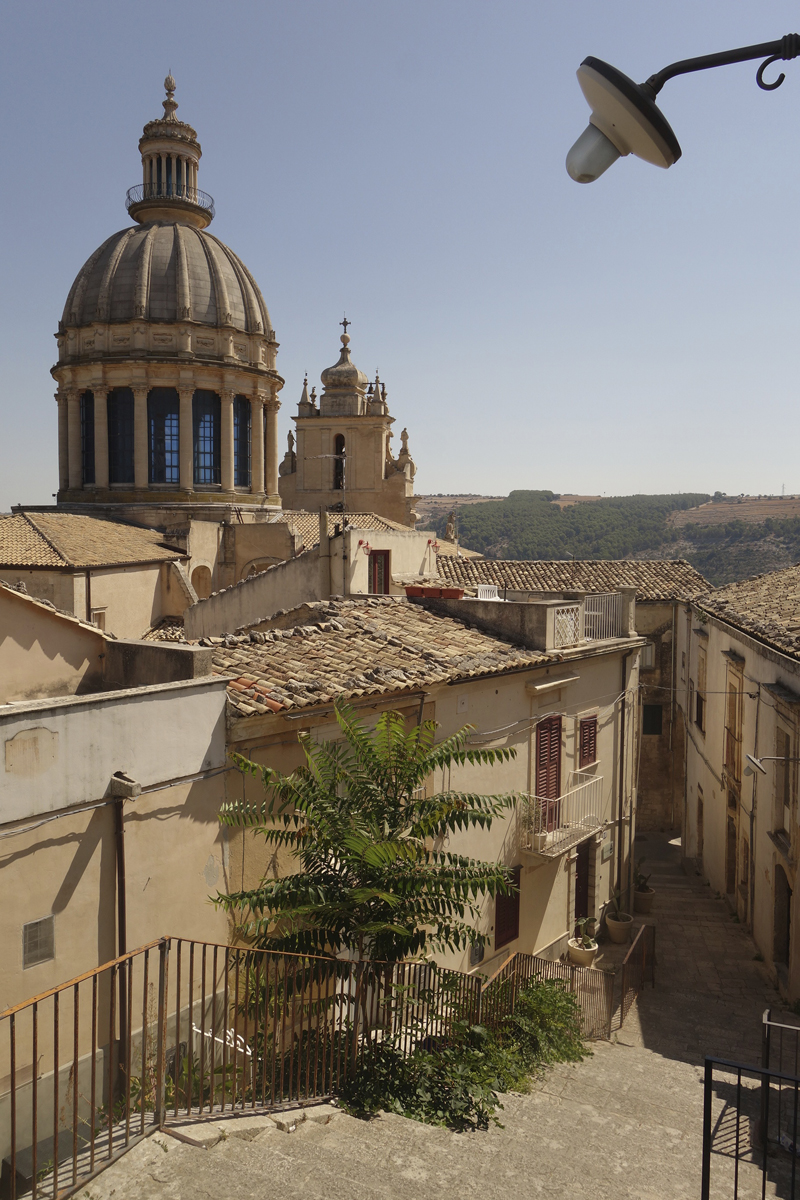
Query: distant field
[[749, 509], [432, 508]]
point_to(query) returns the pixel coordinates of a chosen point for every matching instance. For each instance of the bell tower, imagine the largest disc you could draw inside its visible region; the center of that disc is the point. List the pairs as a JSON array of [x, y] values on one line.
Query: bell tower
[[343, 448]]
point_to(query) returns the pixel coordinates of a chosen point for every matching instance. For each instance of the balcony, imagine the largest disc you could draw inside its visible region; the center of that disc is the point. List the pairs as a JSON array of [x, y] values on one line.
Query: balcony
[[145, 194], [550, 827]]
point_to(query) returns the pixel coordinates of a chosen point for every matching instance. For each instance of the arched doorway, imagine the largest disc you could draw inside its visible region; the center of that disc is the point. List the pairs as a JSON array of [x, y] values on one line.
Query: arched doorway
[[201, 582], [783, 917]]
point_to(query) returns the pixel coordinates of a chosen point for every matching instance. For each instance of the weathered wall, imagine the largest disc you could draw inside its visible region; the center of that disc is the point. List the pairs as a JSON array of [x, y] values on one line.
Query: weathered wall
[[129, 596], [42, 654], [56, 586], [411, 553], [59, 753], [283, 586], [260, 546], [660, 785], [741, 818]]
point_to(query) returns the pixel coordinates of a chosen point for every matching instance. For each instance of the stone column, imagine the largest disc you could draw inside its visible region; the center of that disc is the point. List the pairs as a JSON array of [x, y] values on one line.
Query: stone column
[[74, 438], [257, 444], [141, 476], [63, 441], [163, 160], [101, 438], [226, 440], [272, 407], [186, 426]]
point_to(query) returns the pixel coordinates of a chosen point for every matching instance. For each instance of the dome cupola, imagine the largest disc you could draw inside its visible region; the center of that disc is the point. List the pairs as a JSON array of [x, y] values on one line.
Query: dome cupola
[[167, 380], [170, 157], [345, 385]]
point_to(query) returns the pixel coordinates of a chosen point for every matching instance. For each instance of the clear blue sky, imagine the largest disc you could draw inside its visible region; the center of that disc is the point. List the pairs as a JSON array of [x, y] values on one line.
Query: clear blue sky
[[405, 161]]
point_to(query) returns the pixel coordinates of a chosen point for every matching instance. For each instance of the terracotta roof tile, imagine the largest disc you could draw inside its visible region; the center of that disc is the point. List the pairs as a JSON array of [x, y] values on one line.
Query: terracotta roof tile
[[767, 607], [61, 539], [654, 579], [306, 524], [354, 648]]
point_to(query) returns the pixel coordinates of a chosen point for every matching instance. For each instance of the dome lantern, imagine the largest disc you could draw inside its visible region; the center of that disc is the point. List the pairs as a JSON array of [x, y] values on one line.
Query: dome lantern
[[170, 156]]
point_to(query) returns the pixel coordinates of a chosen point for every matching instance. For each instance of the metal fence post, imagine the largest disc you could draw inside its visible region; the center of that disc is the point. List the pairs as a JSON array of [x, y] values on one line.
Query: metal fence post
[[705, 1184], [766, 1035], [159, 1106]]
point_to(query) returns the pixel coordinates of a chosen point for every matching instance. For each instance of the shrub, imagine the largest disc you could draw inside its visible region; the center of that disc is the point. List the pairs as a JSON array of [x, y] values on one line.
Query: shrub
[[458, 1084]]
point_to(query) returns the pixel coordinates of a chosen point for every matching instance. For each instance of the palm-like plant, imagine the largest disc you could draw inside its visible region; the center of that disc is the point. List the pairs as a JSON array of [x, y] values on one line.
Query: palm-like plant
[[375, 879]]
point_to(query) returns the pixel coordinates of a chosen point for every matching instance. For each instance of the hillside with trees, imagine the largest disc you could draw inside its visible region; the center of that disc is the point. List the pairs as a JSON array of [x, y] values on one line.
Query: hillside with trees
[[531, 524]]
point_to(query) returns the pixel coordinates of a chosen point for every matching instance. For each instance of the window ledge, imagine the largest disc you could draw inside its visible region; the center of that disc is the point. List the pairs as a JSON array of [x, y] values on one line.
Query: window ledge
[[781, 842]]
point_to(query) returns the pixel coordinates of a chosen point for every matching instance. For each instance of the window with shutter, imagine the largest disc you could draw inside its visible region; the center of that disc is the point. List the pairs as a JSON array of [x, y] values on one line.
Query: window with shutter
[[587, 741], [548, 770], [506, 913]]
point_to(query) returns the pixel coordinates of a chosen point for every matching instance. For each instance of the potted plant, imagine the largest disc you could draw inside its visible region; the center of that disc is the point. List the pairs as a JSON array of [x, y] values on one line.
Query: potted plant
[[583, 948], [618, 923], [643, 894]]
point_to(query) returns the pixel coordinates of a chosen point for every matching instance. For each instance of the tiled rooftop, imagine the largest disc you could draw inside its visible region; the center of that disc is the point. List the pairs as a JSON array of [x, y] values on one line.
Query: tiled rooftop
[[63, 540], [306, 524], [356, 648], [654, 579], [168, 629], [766, 606]]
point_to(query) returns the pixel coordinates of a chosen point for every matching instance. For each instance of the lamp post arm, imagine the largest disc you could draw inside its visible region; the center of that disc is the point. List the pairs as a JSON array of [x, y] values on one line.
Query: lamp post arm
[[786, 48]]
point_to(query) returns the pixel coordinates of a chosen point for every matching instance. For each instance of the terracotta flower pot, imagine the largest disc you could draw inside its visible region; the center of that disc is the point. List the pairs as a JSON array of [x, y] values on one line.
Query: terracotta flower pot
[[643, 901], [452, 593], [580, 955], [413, 589], [619, 928]]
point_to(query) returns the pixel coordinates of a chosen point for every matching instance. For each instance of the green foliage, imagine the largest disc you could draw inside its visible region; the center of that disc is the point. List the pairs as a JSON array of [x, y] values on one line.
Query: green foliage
[[373, 876], [641, 881], [586, 939], [459, 1084], [528, 525]]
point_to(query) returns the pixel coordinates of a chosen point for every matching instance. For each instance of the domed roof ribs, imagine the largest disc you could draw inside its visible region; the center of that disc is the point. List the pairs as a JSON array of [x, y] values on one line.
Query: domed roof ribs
[[142, 287], [184, 296], [103, 311], [266, 324], [224, 314], [250, 306], [73, 309]]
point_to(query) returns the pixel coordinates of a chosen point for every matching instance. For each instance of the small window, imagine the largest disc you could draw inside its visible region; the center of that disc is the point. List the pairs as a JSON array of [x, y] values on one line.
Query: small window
[[652, 719], [38, 942], [99, 617], [647, 657], [506, 913], [587, 741], [476, 954], [700, 691], [338, 462], [379, 572]]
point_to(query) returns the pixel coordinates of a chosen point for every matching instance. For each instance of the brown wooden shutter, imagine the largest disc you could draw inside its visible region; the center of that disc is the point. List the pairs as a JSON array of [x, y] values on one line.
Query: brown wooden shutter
[[506, 914], [548, 758], [587, 741]]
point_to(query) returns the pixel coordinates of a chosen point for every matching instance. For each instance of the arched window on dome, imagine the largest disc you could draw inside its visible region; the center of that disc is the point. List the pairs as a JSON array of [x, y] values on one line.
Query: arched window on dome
[[120, 435], [163, 424], [338, 462], [206, 420], [87, 437], [241, 441]]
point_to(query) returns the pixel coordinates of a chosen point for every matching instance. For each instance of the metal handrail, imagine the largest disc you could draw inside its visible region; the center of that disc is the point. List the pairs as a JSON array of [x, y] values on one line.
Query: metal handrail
[[172, 193]]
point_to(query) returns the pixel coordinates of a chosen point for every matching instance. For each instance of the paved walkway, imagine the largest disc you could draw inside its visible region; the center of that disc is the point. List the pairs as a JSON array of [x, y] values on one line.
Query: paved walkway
[[627, 1122]]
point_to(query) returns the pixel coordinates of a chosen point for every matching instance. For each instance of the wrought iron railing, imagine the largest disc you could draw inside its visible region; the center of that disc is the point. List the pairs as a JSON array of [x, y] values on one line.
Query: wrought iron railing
[[638, 968], [602, 616], [169, 192], [551, 826]]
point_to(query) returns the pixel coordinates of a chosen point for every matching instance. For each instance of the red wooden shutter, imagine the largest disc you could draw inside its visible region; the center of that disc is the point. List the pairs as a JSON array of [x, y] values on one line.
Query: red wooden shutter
[[588, 741], [506, 914]]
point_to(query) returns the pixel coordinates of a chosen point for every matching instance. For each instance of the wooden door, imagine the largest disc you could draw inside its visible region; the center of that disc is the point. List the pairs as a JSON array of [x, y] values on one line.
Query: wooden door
[[548, 769]]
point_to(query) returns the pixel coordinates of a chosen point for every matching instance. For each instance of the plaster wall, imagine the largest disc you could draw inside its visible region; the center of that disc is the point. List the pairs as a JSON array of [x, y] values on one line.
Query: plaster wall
[[411, 553], [130, 598], [60, 753], [252, 599], [41, 654], [731, 827]]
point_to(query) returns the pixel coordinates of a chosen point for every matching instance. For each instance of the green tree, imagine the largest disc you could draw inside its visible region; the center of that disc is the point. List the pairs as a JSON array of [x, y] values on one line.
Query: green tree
[[374, 877]]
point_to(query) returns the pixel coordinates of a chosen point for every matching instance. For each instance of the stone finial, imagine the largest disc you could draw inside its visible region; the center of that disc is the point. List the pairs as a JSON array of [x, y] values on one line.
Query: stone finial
[[170, 104]]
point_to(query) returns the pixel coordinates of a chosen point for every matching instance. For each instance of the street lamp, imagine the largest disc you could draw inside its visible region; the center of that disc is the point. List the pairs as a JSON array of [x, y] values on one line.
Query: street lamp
[[626, 119]]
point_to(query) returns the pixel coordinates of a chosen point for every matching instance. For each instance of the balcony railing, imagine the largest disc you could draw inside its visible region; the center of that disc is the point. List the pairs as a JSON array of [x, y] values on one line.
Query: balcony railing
[[169, 192], [549, 827], [602, 616]]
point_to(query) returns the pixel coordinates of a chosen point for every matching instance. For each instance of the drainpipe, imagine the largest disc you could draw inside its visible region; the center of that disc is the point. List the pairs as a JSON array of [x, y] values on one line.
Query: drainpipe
[[752, 897], [621, 801], [672, 723], [324, 555], [122, 788], [89, 597]]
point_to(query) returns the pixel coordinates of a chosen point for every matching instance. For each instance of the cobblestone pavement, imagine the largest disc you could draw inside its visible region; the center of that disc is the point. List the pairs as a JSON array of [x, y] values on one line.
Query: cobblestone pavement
[[627, 1122]]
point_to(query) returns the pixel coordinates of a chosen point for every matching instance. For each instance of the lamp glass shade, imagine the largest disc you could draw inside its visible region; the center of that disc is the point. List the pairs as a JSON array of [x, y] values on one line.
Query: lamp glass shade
[[591, 155]]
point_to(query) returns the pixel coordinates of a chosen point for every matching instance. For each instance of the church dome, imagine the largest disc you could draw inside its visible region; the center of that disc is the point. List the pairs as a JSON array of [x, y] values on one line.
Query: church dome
[[166, 271]]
